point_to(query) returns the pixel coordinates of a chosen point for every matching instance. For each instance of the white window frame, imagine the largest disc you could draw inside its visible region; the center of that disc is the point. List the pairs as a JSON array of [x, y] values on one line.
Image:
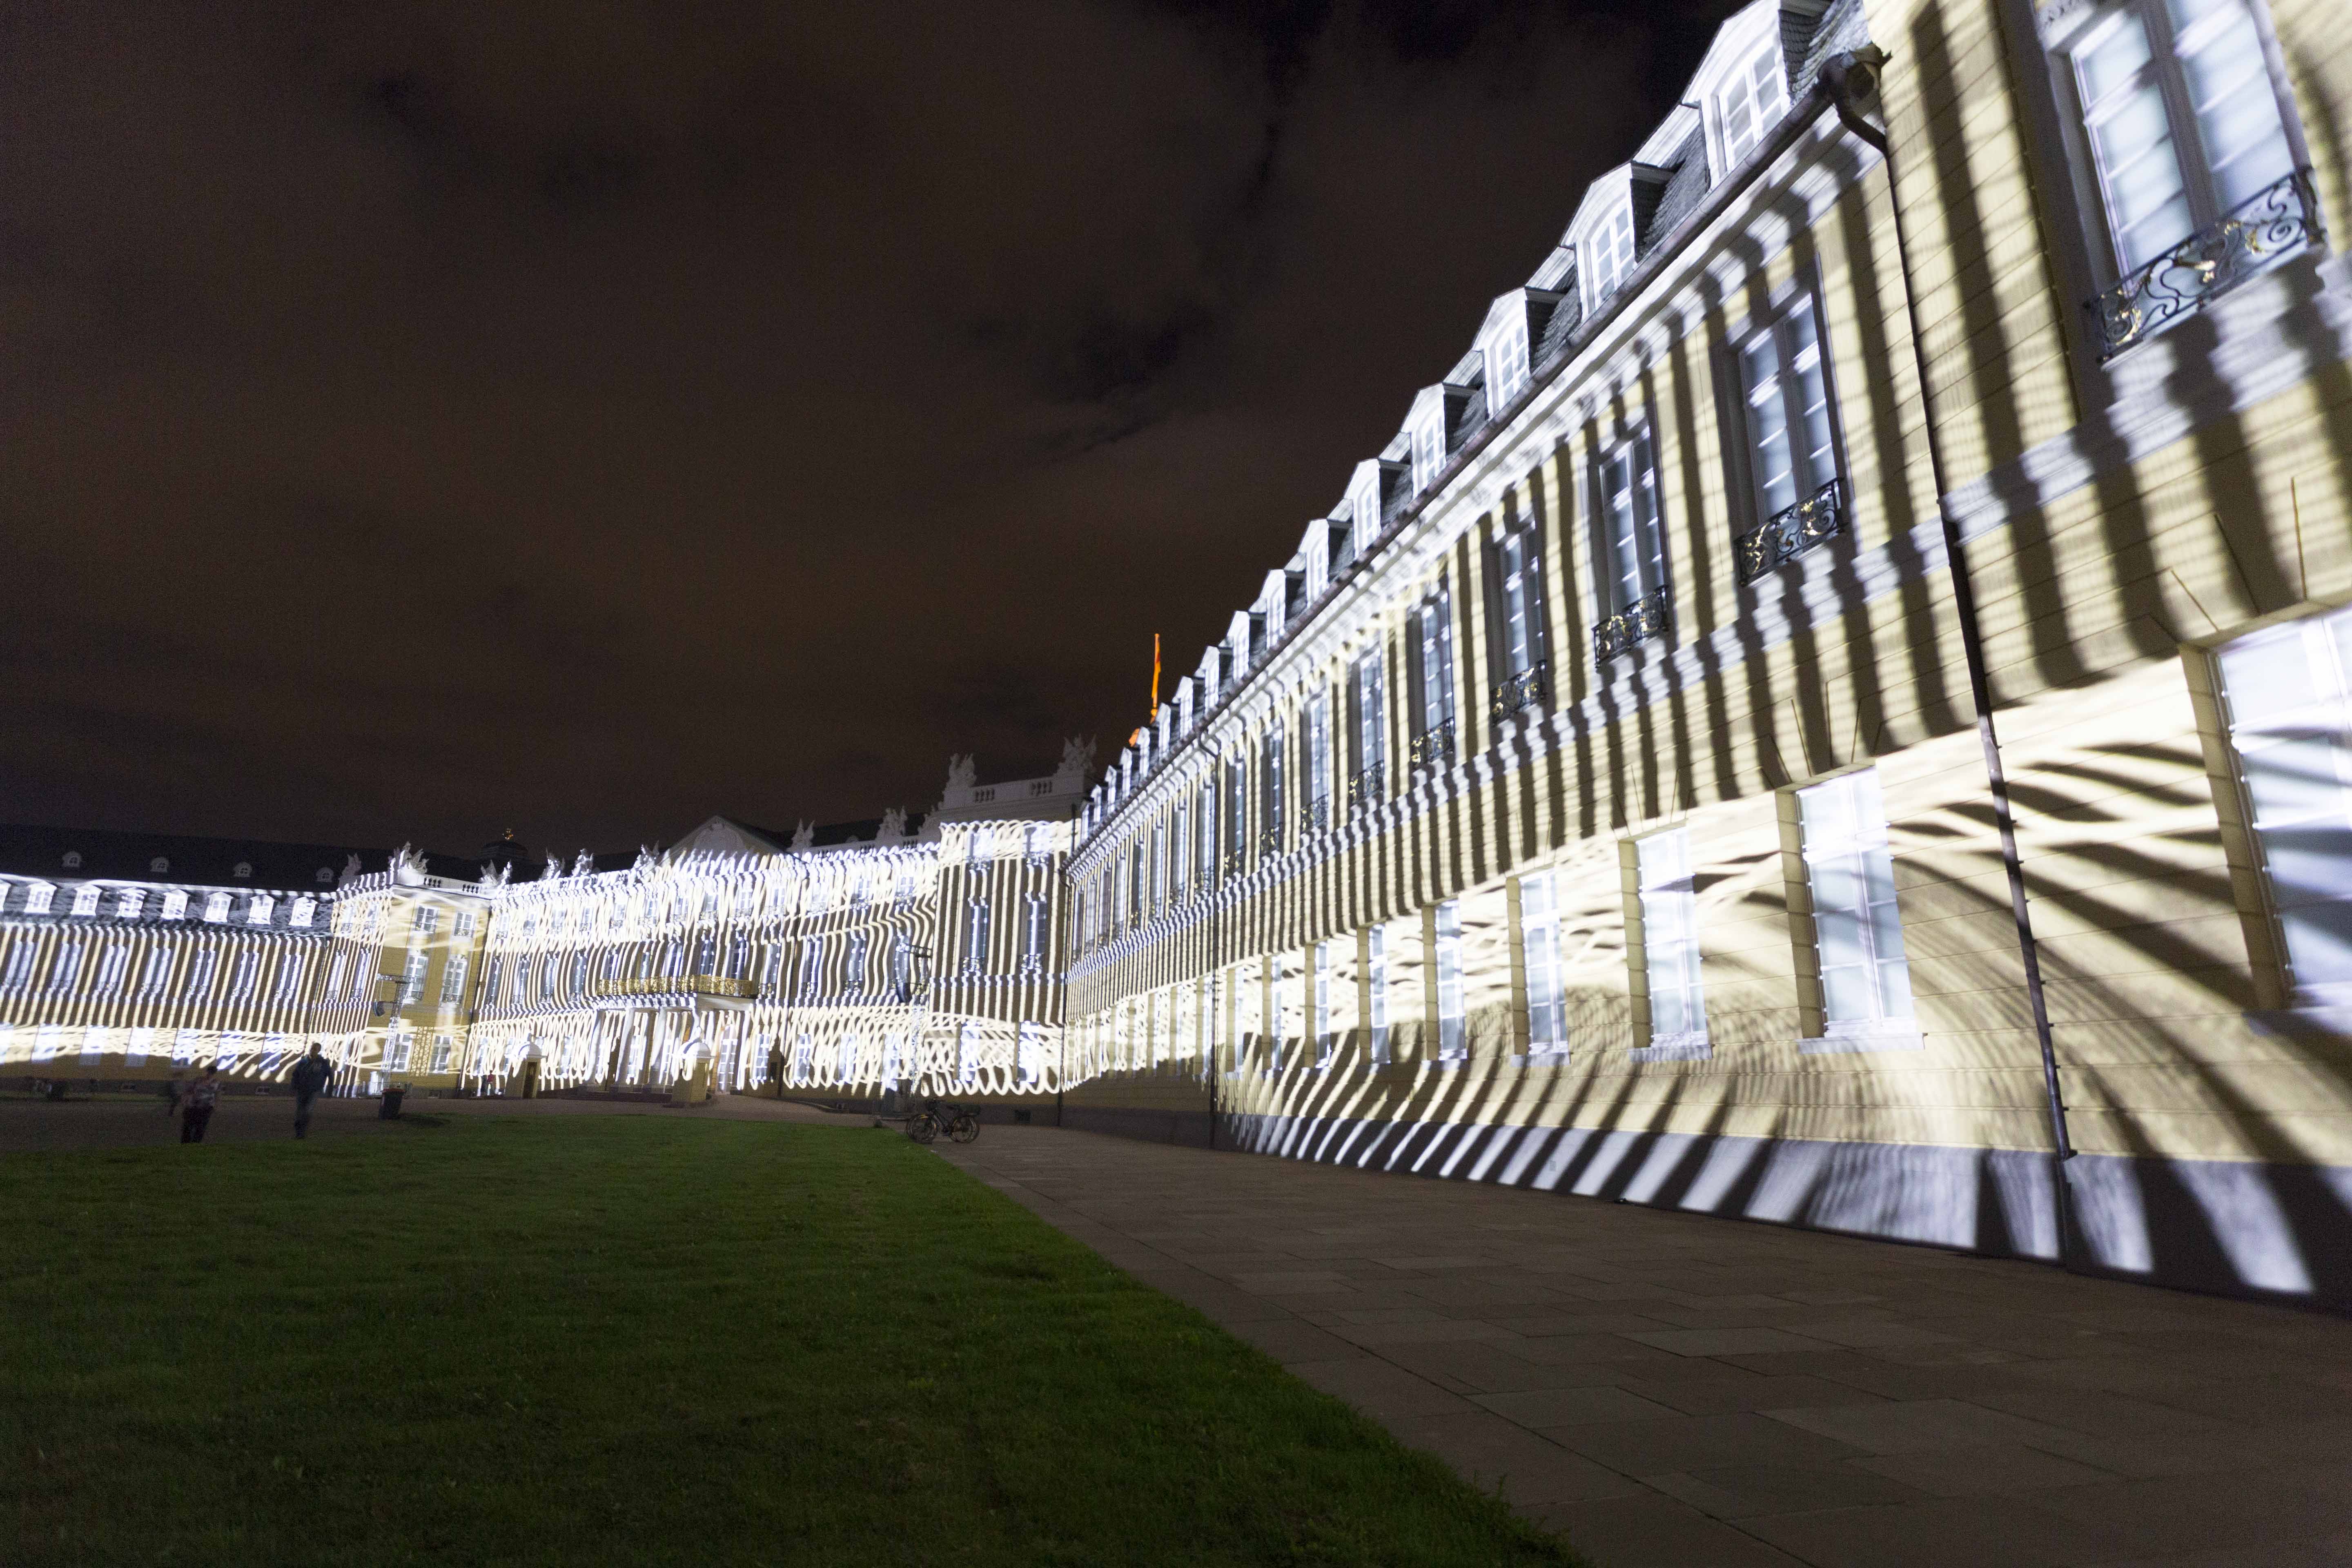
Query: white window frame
[[1850, 879], [1376, 988], [2206, 199], [2292, 747], [1793, 398], [86, 897], [1744, 73], [1540, 957], [1629, 522], [1433, 646], [1506, 357], [1319, 1002], [1672, 955], [1453, 1021], [1606, 242], [1318, 754]]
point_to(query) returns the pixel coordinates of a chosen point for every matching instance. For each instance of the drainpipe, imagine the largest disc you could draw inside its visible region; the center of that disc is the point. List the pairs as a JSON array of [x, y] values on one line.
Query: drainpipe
[[1853, 81]]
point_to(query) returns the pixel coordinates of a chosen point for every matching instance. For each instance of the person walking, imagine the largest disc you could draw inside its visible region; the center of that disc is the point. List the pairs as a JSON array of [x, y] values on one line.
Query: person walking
[[310, 1075], [196, 1103]]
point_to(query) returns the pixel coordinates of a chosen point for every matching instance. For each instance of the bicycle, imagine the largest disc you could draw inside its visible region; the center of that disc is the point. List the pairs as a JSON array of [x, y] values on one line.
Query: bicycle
[[957, 1121]]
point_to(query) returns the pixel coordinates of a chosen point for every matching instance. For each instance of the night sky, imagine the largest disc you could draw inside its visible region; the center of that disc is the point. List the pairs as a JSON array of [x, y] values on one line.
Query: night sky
[[422, 420]]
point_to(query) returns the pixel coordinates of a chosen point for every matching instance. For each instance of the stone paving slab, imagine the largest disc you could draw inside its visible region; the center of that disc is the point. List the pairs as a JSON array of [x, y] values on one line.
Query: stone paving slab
[[1676, 1391]]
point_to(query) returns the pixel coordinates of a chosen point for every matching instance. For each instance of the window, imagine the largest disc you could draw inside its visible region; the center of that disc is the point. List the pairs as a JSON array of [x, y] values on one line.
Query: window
[[968, 1052], [804, 1056], [1788, 410], [412, 990], [396, 1050], [2288, 694], [258, 909], [453, 980], [176, 905], [975, 955], [1518, 578], [1632, 576], [1753, 97], [1669, 919], [158, 975], [1865, 982], [303, 910], [859, 944], [1236, 809], [113, 969], [490, 978], [1319, 1003], [158, 867], [1369, 699], [66, 968], [1434, 640], [1540, 948], [244, 869], [983, 845], [19, 973], [73, 860], [812, 964], [464, 925], [1270, 1014], [1270, 811], [1032, 934], [201, 971], [1505, 354], [36, 898], [1029, 1066], [1429, 449], [1792, 455], [739, 954], [129, 901], [2181, 117], [441, 1052], [1453, 1044], [902, 967], [1205, 830], [429, 919], [1376, 990], [1160, 864], [1179, 847], [1318, 761], [1605, 253], [85, 898]]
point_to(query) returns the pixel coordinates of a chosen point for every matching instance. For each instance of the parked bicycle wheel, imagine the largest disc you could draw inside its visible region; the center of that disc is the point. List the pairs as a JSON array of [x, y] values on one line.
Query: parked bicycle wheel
[[964, 1128], [922, 1129]]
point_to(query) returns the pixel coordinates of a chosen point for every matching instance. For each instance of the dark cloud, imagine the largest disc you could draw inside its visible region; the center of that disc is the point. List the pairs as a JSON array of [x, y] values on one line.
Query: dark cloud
[[422, 419]]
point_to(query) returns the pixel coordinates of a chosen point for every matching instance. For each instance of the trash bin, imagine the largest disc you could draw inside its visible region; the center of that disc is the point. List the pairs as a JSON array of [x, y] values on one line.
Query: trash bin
[[390, 1106]]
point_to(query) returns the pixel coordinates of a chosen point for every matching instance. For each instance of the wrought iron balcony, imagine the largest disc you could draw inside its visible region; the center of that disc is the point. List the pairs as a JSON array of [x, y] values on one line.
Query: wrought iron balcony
[[1269, 841], [2280, 219], [1366, 787], [1652, 616], [1789, 532], [1517, 693], [1236, 861], [1317, 816], [1434, 748]]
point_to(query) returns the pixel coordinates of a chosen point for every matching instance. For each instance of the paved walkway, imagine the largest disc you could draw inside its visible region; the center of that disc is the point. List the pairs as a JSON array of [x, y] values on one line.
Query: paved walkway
[[115, 1121], [1673, 1391]]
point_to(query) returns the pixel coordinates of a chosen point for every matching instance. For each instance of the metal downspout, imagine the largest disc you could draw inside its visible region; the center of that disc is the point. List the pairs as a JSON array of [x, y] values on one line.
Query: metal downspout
[[1853, 80]]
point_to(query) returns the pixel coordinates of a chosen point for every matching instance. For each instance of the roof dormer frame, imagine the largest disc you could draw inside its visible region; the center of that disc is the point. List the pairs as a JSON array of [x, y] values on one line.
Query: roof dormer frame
[[1742, 86]]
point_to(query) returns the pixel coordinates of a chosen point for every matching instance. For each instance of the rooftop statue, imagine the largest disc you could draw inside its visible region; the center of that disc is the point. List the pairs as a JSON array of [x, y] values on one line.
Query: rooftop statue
[[963, 771]]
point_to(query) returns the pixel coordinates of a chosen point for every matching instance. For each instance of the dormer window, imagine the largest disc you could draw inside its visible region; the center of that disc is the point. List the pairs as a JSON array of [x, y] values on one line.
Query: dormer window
[[158, 867], [325, 875], [86, 899], [73, 859], [1605, 250], [1753, 97], [1505, 354], [1428, 450], [244, 869]]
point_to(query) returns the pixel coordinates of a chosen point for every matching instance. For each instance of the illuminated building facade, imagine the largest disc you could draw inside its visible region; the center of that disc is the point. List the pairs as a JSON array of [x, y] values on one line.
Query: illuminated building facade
[[841, 962], [1597, 799], [1837, 709]]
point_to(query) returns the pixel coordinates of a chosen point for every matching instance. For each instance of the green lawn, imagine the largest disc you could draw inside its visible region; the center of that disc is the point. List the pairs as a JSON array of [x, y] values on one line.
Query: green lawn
[[634, 1339]]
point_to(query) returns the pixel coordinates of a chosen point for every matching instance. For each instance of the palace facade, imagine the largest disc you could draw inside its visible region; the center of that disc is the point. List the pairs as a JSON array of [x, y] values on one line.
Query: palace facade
[[1836, 709]]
